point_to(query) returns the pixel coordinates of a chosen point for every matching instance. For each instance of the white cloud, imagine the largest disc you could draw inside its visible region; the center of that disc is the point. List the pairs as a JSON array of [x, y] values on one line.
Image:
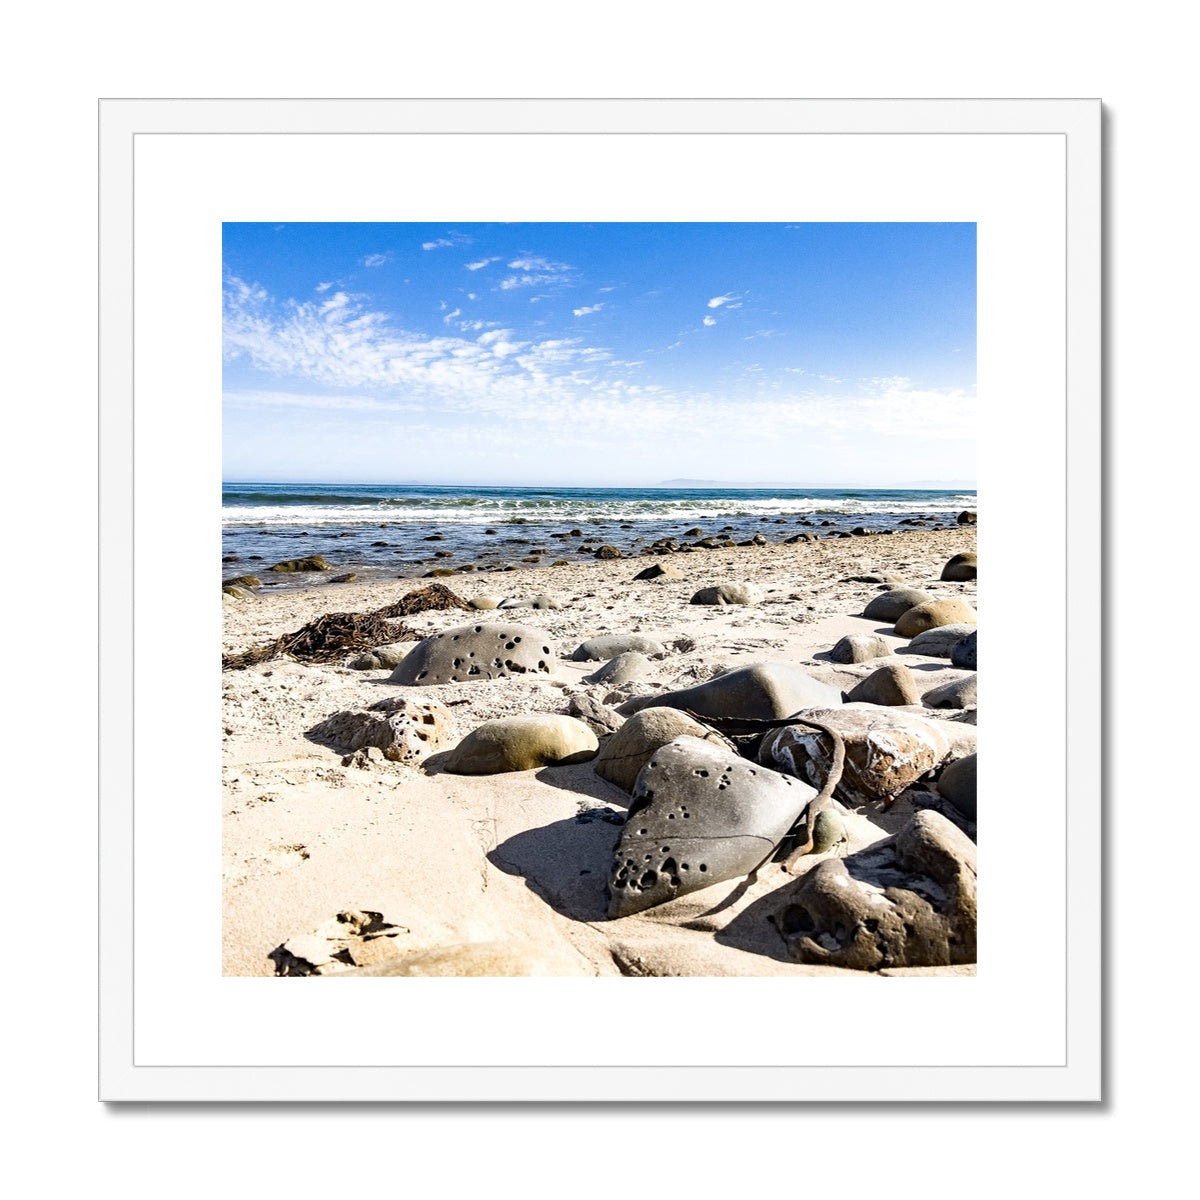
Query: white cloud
[[536, 264], [717, 301], [710, 320], [376, 260], [451, 315], [483, 262], [436, 245], [323, 287], [583, 312]]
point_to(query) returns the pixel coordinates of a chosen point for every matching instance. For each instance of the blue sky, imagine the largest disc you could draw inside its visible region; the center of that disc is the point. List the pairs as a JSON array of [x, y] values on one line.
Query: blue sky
[[599, 354]]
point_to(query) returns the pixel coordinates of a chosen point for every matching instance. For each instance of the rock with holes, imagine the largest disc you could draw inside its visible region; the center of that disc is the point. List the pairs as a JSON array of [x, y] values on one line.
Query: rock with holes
[[886, 751], [961, 568], [940, 641], [933, 613], [601, 649], [633, 745], [404, 728], [700, 815], [907, 901], [957, 783], [625, 668], [893, 604], [958, 693], [859, 647], [765, 691], [729, 593], [475, 652], [522, 744], [893, 685]]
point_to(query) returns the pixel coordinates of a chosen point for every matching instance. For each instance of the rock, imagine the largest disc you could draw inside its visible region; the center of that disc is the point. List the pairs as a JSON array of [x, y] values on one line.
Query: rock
[[660, 572], [886, 751], [637, 740], [405, 729], [932, 613], [486, 602], [243, 581], [624, 668], [380, 657], [238, 593], [713, 543], [860, 647], [314, 562], [600, 649], [893, 685], [957, 784], [476, 652], [940, 641], [599, 718], [892, 605], [960, 569], [964, 654], [608, 552], [699, 815], [960, 693], [764, 691], [729, 593], [522, 744], [967, 518], [348, 577], [439, 573], [695, 531], [907, 901]]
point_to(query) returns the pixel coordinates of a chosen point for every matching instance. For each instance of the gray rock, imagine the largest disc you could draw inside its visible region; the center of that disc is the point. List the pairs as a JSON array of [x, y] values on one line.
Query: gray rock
[[541, 602], [763, 691], [959, 693], [404, 729], [729, 593], [599, 718], [635, 743], [957, 784], [892, 605], [625, 668], [940, 641], [700, 815], [891, 685], [476, 652], [964, 653], [907, 901], [886, 751], [601, 649], [486, 602], [961, 568], [658, 571], [314, 562], [233, 592], [522, 744], [381, 657], [933, 613], [859, 647]]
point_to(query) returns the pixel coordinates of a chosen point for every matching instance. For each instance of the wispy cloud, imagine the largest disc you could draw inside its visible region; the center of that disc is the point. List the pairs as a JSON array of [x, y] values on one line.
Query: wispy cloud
[[478, 266], [536, 271], [323, 287], [376, 260], [588, 310], [451, 239], [729, 299], [710, 320]]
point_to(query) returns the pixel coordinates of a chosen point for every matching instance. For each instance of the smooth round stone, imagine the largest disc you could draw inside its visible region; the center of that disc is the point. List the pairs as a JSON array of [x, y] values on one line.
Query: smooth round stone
[[625, 668], [961, 693], [485, 603], [234, 592], [893, 685], [729, 593], [765, 691], [522, 744], [381, 657], [633, 745], [890, 606], [660, 572], [965, 654], [957, 784], [475, 652], [859, 647], [939, 642], [699, 815], [933, 613], [961, 568], [600, 649]]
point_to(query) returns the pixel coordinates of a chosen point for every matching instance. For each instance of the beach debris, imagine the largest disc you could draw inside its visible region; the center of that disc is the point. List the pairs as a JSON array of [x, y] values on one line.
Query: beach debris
[[626, 667], [633, 745], [762, 691], [859, 647], [892, 685], [469, 653], [957, 784], [700, 815], [404, 729], [957, 693], [314, 562], [326, 639], [729, 593], [336, 946], [964, 653], [431, 597], [940, 641], [962, 568], [892, 605], [932, 613], [906, 901], [885, 751], [522, 744], [601, 649]]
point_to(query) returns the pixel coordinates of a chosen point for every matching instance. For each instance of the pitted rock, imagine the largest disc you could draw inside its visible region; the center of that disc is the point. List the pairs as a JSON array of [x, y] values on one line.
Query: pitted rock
[[475, 652], [404, 728], [635, 743]]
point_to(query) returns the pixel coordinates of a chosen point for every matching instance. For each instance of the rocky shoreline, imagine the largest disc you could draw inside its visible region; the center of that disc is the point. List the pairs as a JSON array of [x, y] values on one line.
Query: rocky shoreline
[[491, 792]]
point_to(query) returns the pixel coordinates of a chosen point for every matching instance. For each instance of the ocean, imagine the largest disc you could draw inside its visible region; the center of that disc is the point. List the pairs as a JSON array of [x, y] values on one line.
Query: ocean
[[380, 531]]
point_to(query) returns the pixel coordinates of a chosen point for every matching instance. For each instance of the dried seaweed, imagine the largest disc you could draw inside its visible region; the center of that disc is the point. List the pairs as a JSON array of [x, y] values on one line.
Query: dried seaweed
[[434, 596]]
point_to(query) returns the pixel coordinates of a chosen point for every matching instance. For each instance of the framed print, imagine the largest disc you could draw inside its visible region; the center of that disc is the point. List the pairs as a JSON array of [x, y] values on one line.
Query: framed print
[[599, 489]]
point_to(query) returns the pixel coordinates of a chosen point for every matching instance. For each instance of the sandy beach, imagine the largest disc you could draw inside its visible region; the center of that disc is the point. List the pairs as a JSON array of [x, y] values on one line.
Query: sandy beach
[[437, 872]]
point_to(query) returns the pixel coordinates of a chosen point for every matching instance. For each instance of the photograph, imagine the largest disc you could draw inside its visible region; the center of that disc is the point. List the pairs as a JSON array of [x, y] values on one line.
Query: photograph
[[599, 599]]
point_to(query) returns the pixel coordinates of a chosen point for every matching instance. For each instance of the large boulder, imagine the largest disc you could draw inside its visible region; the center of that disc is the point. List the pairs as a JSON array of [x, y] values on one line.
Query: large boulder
[[700, 815], [940, 641], [314, 562], [957, 783], [601, 649], [886, 751], [965, 652], [633, 745], [932, 613], [764, 691], [625, 668], [893, 685], [958, 693], [907, 901], [893, 604], [475, 652], [859, 647], [729, 593], [962, 568], [404, 728], [522, 744]]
